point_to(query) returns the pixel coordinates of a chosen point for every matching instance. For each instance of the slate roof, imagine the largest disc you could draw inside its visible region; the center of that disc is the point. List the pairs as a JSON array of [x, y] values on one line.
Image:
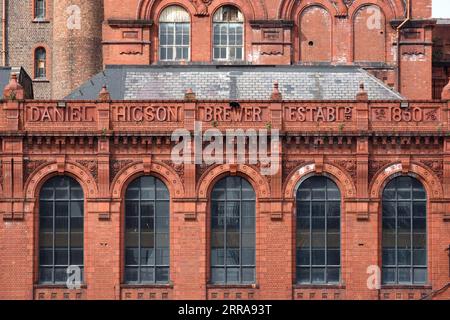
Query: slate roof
[[210, 82]]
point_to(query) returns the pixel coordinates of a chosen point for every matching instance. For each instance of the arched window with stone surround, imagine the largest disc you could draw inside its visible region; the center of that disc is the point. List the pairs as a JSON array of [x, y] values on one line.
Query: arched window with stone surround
[[404, 237], [40, 63], [61, 229], [147, 207], [228, 34], [233, 234], [174, 34], [318, 245]]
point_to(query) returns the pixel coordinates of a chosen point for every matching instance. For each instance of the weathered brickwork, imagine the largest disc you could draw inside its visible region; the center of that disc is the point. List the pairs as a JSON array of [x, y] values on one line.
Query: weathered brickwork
[[104, 145], [361, 152], [66, 49], [276, 32]]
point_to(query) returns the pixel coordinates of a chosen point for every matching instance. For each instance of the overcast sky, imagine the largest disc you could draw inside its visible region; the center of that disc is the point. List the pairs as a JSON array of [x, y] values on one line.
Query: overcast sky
[[441, 8]]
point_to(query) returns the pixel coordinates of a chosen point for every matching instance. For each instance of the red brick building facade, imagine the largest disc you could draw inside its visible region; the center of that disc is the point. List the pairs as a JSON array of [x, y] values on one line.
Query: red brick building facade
[[360, 205]]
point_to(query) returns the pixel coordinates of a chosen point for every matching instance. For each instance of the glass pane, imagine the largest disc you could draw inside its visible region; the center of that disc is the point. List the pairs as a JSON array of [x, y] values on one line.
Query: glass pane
[[333, 209], [248, 275], [76, 257], [333, 275], [318, 275], [318, 209], [45, 257], [61, 274], [333, 257], [217, 257], [147, 274], [404, 275], [303, 275], [131, 274], [303, 257], [318, 257], [420, 275], [233, 275], [45, 274], [61, 209], [389, 257], [419, 209], [162, 275], [388, 209], [131, 256], [76, 209], [389, 275], [217, 275]]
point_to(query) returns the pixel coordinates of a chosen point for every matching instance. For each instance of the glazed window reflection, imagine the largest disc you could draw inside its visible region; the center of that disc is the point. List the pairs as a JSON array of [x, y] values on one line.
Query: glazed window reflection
[[318, 231], [233, 232], [404, 243], [147, 207]]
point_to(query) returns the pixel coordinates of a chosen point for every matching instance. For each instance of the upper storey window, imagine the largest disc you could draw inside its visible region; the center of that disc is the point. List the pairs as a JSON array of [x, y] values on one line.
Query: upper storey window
[[174, 34], [39, 9], [228, 34], [40, 63]]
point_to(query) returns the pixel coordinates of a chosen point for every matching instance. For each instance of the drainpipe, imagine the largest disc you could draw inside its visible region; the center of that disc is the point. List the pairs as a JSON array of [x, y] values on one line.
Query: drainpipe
[[408, 17], [4, 32]]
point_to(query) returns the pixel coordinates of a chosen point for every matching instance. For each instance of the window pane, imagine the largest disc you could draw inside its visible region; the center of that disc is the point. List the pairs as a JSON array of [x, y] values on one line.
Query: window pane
[[303, 275], [147, 274], [420, 275], [162, 275], [131, 274], [318, 275], [333, 275], [233, 275], [248, 275], [217, 275]]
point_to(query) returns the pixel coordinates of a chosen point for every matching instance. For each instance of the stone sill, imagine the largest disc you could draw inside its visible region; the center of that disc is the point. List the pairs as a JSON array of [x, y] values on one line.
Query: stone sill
[[41, 80], [232, 286], [40, 20], [406, 287], [146, 286], [319, 286], [57, 286]]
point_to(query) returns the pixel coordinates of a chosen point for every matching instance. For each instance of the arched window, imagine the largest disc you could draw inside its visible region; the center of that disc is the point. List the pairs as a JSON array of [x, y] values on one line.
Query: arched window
[[404, 232], [233, 232], [174, 34], [61, 217], [318, 231], [40, 63], [147, 202], [228, 34], [39, 9]]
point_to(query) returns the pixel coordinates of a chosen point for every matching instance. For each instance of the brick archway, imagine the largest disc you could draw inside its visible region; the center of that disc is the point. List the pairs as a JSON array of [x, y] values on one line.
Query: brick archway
[[210, 177], [49, 170], [158, 169], [288, 8], [430, 181], [342, 179]]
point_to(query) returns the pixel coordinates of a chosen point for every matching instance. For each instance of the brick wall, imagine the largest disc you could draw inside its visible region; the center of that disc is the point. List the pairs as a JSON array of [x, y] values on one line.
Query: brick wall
[[109, 154], [24, 36]]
